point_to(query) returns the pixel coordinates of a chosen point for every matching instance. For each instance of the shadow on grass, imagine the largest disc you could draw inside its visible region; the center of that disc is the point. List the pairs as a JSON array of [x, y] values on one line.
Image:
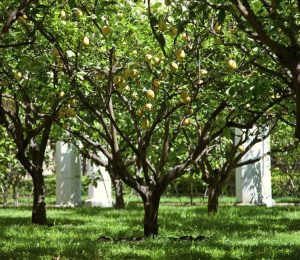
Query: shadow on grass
[[251, 222], [262, 250], [16, 221], [240, 233], [294, 224]]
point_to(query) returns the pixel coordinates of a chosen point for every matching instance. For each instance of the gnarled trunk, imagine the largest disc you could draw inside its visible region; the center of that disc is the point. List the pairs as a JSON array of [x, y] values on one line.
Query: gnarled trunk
[[117, 183], [151, 206], [213, 199], [39, 206]]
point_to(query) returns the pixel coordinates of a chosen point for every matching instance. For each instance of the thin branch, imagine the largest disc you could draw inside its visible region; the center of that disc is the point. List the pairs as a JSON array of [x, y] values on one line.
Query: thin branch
[[14, 16], [19, 44]]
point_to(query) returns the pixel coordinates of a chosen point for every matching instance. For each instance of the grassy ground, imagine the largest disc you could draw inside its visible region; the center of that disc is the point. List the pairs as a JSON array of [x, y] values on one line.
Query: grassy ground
[[233, 233], [133, 199]]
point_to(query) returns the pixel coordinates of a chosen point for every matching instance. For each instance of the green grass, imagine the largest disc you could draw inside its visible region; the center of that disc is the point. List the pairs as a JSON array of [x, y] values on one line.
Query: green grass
[[288, 199], [181, 200], [129, 199], [233, 233]]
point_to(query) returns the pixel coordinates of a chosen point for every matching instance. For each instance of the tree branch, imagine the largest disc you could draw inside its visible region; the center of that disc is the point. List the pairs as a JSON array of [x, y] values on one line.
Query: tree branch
[[14, 16]]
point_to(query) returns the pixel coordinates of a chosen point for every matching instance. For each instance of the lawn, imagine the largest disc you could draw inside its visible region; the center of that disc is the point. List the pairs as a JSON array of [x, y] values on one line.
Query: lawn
[[233, 233]]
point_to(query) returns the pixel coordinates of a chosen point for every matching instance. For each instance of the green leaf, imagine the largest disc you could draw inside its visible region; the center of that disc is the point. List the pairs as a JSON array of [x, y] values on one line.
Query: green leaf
[[181, 26], [156, 6]]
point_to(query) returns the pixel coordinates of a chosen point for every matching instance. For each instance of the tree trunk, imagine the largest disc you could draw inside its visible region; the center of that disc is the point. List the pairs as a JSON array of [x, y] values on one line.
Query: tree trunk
[[39, 206], [151, 206], [16, 192], [297, 91], [191, 190], [117, 183], [16, 195], [5, 196], [213, 199], [84, 164]]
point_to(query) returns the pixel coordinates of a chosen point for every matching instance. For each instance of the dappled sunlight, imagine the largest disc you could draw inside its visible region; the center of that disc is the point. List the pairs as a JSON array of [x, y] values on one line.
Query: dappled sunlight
[[234, 232]]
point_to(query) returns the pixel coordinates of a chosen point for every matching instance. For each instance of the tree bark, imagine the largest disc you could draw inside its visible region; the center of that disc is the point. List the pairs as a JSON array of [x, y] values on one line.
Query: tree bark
[[117, 183], [16, 193], [151, 206], [297, 91], [39, 206], [213, 199], [84, 166]]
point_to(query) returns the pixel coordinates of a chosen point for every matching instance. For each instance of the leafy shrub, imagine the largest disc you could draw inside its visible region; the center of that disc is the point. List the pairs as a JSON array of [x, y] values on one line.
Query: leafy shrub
[[285, 184]]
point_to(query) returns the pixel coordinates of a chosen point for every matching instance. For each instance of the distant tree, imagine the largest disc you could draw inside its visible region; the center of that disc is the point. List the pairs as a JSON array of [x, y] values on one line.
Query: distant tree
[[10, 170], [29, 104], [285, 163]]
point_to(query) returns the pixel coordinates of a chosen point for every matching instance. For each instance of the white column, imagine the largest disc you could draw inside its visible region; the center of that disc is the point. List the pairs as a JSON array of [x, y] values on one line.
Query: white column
[[253, 181], [68, 175], [101, 194]]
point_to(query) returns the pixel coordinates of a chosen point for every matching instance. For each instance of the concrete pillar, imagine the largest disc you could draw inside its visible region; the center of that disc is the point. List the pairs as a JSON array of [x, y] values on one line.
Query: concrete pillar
[[68, 176], [99, 195], [253, 181]]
